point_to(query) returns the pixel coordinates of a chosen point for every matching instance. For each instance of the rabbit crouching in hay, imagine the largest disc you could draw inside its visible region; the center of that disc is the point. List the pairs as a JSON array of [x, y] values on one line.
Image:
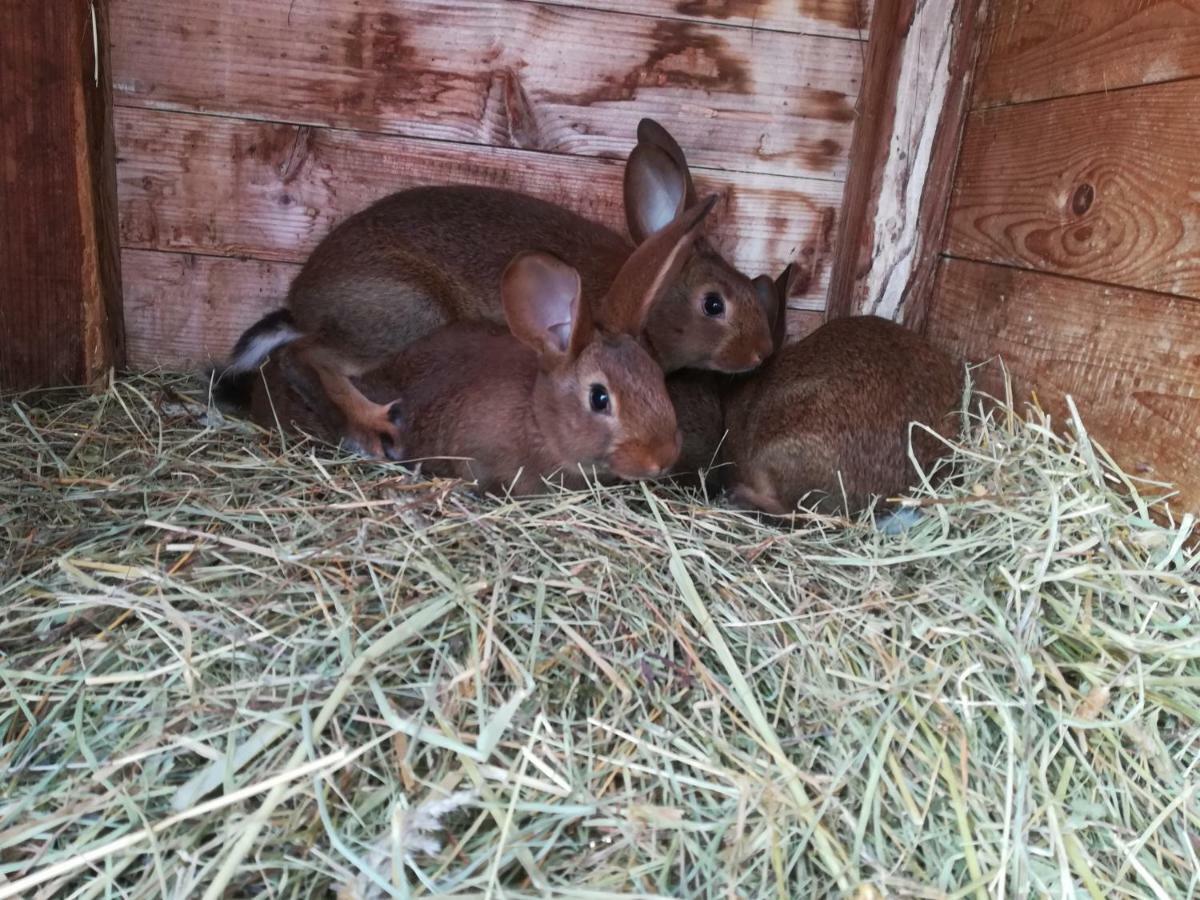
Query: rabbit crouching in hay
[[557, 393], [826, 420]]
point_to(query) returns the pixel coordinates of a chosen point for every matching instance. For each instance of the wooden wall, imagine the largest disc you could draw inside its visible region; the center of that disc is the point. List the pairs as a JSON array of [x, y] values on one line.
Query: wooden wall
[[1073, 232], [247, 128], [60, 319]]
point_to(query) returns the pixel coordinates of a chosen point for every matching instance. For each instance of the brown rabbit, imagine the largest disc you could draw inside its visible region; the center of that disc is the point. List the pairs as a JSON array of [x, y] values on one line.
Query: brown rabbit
[[826, 419], [554, 395], [699, 397], [422, 258], [711, 317]]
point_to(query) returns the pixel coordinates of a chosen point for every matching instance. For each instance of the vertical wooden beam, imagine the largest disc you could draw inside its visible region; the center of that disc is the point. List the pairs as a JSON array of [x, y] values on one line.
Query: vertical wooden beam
[[968, 28], [890, 20], [916, 91], [60, 304]]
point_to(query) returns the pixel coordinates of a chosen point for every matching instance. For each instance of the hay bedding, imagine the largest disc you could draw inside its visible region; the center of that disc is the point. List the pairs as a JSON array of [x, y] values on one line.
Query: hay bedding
[[234, 667]]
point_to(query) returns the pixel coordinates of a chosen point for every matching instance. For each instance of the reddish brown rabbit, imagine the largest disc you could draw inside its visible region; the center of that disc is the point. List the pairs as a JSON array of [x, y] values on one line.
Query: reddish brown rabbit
[[825, 420], [699, 397], [711, 317], [422, 258], [553, 396]]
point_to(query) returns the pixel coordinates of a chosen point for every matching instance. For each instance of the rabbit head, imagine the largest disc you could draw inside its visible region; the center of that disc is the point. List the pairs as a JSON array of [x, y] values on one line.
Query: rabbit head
[[710, 317]]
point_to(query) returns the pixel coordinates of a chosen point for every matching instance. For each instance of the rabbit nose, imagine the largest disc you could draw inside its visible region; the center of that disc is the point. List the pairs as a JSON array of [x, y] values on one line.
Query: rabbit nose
[[749, 361]]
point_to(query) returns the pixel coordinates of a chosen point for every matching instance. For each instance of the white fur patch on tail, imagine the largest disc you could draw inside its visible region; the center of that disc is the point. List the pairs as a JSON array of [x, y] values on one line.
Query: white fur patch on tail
[[259, 347]]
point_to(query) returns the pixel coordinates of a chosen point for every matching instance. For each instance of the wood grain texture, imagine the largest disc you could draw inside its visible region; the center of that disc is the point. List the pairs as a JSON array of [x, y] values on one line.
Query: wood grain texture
[[183, 311], [869, 152], [1055, 48], [501, 73], [104, 320], [1101, 186], [1130, 359], [235, 188], [832, 18], [935, 58], [56, 321], [969, 27], [801, 323], [921, 56]]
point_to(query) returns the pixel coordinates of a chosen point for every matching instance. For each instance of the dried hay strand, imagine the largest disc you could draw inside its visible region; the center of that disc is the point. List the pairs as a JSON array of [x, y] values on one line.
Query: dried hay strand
[[235, 665]]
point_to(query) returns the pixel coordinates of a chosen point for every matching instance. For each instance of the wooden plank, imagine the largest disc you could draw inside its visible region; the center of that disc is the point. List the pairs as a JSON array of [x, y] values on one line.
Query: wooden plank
[[231, 187], [1100, 186], [869, 153], [1055, 48], [501, 73], [59, 308], [183, 311], [920, 60], [1129, 358], [104, 322], [913, 254], [832, 18]]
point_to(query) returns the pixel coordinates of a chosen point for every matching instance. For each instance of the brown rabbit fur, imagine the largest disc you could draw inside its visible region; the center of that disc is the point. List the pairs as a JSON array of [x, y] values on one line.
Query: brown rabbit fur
[[699, 397], [422, 258], [826, 419], [509, 431], [682, 332], [514, 408]]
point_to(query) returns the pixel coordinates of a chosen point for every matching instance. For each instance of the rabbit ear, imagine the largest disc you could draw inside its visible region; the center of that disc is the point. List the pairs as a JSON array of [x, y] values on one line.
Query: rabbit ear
[[774, 306], [650, 132], [658, 185], [544, 306], [651, 268]]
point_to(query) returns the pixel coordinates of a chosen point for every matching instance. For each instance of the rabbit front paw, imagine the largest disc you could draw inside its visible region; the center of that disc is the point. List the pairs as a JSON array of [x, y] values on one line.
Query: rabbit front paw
[[378, 432]]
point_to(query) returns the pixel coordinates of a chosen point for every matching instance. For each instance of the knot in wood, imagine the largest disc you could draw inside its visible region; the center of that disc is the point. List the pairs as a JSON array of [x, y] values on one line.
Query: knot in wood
[[1082, 199]]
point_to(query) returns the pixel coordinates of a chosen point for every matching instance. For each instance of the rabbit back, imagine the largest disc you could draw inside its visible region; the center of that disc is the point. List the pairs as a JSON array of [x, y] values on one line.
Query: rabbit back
[[421, 258], [827, 417]]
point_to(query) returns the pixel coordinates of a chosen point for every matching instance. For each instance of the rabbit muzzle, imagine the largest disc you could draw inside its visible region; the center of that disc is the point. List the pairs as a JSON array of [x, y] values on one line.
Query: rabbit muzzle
[[635, 460]]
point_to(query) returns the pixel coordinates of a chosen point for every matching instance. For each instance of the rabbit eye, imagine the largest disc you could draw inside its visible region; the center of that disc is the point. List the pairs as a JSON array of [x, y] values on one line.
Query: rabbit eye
[[598, 397], [714, 304]]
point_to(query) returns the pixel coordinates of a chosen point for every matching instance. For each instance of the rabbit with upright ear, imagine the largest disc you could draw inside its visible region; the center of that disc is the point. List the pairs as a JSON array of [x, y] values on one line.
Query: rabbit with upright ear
[[422, 258], [699, 397], [710, 318], [827, 419], [551, 395]]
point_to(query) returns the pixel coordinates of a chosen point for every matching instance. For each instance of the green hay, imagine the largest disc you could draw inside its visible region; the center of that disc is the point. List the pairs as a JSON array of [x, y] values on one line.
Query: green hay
[[232, 666]]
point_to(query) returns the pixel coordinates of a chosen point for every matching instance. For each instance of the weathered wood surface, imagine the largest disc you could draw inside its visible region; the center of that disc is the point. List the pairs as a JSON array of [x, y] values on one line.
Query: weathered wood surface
[[1100, 186], [915, 90], [833, 18], [869, 152], [1053, 48], [1131, 359], [909, 157], [501, 73], [184, 311], [236, 188], [59, 302], [914, 250], [104, 322]]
